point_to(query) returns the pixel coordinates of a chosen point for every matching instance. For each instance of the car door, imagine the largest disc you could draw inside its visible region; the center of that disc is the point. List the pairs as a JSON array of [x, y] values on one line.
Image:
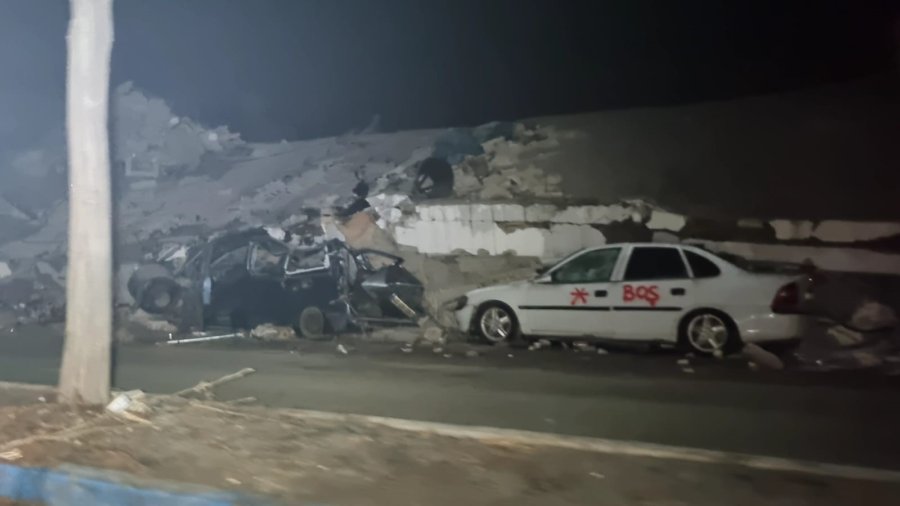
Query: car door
[[654, 292], [572, 299]]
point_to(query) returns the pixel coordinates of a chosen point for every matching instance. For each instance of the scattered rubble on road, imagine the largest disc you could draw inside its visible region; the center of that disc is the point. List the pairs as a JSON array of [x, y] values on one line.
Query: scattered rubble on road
[[269, 332]]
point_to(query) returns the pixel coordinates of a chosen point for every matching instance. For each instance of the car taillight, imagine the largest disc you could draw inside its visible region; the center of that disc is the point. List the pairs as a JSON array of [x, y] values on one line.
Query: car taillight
[[787, 300]]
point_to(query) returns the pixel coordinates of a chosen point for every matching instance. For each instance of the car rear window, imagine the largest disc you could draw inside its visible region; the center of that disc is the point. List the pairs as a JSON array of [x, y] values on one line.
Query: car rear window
[[649, 262], [701, 267]]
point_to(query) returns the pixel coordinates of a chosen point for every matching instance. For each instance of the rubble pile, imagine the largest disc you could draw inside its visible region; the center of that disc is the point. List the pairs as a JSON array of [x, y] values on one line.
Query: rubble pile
[[462, 207]]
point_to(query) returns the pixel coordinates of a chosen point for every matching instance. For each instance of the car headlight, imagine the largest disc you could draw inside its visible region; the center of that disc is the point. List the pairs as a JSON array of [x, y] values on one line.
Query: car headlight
[[458, 303]]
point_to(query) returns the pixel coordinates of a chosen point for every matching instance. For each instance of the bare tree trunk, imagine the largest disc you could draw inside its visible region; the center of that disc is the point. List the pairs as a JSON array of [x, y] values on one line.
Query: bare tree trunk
[[85, 373]]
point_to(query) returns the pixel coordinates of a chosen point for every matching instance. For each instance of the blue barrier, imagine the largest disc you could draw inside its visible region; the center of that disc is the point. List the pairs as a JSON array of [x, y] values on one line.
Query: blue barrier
[[76, 486]]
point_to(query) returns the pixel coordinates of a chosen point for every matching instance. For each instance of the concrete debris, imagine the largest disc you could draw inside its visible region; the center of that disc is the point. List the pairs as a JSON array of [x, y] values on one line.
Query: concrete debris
[[582, 346], [762, 357], [844, 336], [787, 230], [5, 271], [342, 349], [853, 231], [433, 335], [602, 351], [128, 402], [151, 322], [149, 141], [663, 220], [269, 332], [683, 362], [872, 315]]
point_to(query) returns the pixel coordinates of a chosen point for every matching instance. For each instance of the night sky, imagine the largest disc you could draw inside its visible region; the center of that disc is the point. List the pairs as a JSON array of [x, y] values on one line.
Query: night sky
[[275, 69]]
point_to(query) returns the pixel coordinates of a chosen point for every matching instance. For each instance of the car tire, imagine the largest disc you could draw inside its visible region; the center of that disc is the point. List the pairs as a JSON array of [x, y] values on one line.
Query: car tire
[[159, 296], [311, 324], [706, 331], [496, 323]]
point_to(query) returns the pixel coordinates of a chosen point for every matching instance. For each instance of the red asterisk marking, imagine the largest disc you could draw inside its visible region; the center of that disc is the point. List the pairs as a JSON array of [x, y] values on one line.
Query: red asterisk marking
[[579, 296]]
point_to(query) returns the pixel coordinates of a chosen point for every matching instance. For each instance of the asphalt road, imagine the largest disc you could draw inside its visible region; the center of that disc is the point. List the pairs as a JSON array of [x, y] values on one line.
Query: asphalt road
[[846, 419]]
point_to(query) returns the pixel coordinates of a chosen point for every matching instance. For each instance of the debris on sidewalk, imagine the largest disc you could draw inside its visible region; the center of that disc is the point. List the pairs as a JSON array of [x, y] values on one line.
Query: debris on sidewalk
[[306, 457]]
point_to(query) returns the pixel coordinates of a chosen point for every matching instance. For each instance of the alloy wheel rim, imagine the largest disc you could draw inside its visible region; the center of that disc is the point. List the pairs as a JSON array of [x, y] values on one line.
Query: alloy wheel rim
[[707, 333], [496, 324]]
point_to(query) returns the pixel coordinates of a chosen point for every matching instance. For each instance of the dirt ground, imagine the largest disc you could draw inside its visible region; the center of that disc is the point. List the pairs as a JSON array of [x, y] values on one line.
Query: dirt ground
[[297, 460]]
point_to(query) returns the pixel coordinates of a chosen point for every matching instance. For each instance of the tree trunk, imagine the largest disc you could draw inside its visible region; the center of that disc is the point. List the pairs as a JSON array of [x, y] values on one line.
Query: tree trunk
[[85, 373]]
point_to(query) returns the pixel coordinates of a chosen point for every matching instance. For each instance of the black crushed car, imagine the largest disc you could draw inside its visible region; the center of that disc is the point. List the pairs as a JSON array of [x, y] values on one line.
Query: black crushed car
[[247, 278]]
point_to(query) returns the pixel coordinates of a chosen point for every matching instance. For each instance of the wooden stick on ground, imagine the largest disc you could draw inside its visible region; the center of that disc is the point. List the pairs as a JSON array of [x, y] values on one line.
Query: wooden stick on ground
[[204, 387]]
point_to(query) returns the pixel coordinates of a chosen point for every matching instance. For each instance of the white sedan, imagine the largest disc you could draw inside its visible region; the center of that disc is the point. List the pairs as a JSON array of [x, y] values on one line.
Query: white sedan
[[641, 292]]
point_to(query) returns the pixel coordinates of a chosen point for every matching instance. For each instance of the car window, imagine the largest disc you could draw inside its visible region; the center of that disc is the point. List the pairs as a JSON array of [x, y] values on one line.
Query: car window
[[308, 259], [701, 267], [266, 262], [590, 267], [649, 262], [229, 265]]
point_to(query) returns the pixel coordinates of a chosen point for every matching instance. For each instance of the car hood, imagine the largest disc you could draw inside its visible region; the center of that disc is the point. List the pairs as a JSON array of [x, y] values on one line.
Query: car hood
[[481, 292]]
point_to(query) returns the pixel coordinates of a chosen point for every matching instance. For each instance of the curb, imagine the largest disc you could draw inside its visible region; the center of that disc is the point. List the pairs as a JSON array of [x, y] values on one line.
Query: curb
[[612, 447], [77, 486]]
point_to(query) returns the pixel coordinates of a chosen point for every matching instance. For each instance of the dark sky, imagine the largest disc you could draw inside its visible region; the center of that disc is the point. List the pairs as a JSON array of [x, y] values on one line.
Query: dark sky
[[277, 69]]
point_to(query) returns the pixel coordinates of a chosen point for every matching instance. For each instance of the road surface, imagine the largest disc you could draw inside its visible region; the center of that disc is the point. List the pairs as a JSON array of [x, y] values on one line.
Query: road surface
[[846, 419]]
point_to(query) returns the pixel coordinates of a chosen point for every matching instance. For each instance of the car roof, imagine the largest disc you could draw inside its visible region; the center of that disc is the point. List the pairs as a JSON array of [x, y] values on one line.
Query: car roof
[[664, 244]]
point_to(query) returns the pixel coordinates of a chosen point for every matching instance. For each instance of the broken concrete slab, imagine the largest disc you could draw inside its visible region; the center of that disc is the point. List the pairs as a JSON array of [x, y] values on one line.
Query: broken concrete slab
[[273, 333], [761, 357]]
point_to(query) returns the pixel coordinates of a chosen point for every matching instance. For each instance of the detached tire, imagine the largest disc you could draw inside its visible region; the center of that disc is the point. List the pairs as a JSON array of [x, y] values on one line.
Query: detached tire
[[311, 324], [706, 330], [159, 296]]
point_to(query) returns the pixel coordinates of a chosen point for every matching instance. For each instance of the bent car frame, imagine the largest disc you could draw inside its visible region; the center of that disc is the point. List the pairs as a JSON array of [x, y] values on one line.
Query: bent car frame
[[246, 278]]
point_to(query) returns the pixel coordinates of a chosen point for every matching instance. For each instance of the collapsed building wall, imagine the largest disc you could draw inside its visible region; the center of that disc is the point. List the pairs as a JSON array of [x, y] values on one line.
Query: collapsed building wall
[[532, 190], [549, 231]]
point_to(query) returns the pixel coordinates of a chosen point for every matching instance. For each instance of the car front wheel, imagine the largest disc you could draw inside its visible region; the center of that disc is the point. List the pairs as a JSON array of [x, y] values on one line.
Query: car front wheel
[[496, 323], [709, 332], [311, 324]]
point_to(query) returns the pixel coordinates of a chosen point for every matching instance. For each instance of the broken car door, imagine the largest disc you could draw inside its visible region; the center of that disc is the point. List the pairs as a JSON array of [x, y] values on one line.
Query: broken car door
[[573, 299], [653, 295]]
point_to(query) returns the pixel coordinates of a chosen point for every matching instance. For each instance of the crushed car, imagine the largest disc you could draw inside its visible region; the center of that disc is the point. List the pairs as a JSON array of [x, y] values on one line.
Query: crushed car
[[247, 278]]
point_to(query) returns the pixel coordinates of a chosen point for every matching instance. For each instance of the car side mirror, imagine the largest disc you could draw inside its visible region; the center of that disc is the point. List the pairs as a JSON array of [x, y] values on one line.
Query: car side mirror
[[544, 279]]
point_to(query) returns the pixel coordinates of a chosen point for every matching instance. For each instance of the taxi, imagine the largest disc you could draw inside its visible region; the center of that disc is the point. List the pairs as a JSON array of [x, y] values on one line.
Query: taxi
[[654, 292]]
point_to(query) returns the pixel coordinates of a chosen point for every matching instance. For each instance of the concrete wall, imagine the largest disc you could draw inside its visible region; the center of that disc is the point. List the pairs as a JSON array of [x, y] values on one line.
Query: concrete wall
[[549, 232]]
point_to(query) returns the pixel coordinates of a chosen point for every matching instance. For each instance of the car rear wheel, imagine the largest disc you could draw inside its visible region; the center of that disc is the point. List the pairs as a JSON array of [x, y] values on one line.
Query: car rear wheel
[[708, 331], [311, 324], [496, 323]]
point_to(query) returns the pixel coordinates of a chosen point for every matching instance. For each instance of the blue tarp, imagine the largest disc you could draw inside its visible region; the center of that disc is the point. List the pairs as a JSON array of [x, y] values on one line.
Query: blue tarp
[[77, 486]]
